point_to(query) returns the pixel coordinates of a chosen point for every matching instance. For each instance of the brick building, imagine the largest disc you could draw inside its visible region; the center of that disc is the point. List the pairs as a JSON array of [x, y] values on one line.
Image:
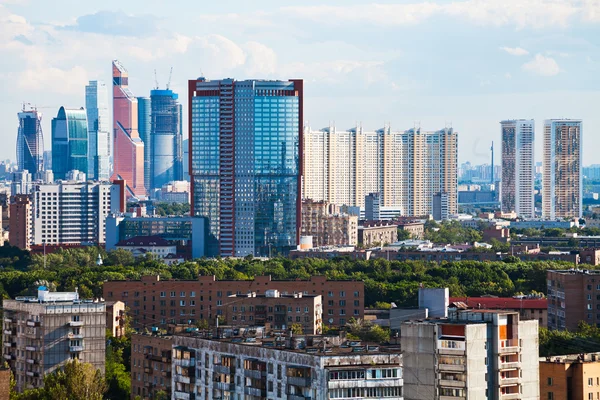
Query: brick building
[[153, 302], [573, 296], [415, 228], [377, 232], [575, 376], [4, 383], [20, 225], [150, 364], [327, 226]]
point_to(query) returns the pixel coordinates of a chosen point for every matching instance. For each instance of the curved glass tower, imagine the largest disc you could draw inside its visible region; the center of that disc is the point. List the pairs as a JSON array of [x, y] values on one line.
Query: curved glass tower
[[30, 141], [165, 139], [69, 142]]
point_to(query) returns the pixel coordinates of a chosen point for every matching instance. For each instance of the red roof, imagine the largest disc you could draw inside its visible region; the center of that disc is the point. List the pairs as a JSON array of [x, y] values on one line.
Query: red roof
[[501, 303]]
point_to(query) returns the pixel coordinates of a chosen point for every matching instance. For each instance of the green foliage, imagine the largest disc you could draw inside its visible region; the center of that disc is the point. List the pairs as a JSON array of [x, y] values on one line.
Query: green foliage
[[403, 234], [451, 232], [164, 209], [585, 340], [363, 330], [296, 329], [381, 305]]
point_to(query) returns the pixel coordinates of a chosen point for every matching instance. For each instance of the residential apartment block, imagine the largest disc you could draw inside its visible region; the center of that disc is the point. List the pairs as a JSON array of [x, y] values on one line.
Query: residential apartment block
[[406, 168], [153, 302], [294, 368], [562, 178], [42, 333], [150, 364], [574, 376], [377, 233], [518, 166], [328, 226], [20, 223], [478, 354], [573, 296]]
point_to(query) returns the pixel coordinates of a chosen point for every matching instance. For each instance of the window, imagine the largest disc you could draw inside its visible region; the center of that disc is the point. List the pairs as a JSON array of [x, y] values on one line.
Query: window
[[356, 294], [181, 303], [330, 294], [172, 294], [550, 395], [192, 294], [182, 294], [219, 303], [550, 381], [590, 381], [342, 294]]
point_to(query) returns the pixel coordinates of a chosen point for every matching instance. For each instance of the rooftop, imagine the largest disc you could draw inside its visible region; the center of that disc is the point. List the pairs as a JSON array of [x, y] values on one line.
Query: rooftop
[[500, 303], [571, 358], [144, 241]]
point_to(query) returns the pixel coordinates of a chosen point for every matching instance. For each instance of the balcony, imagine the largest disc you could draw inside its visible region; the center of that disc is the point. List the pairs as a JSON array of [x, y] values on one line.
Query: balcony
[[148, 370], [10, 332], [31, 373], [451, 383], [511, 381], [253, 373], [510, 396], [166, 374], [182, 395], [9, 344], [452, 397], [164, 359], [9, 357], [153, 357], [75, 323], [31, 348], [33, 323], [250, 391], [452, 367], [31, 361], [508, 346], [8, 320], [451, 347], [185, 379], [184, 362], [509, 365], [75, 336], [230, 387], [223, 369], [75, 349], [299, 381]]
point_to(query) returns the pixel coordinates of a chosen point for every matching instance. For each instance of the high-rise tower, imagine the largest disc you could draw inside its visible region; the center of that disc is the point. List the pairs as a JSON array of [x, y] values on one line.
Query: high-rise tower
[[561, 180], [144, 127], [100, 139], [518, 167], [129, 148], [69, 142], [30, 141], [245, 165]]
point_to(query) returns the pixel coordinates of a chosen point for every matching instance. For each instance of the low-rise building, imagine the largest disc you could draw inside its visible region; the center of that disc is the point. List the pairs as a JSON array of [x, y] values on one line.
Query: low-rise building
[[533, 308], [151, 364], [415, 228], [497, 232], [42, 333], [473, 354], [575, 376], [279, 310], [280, 367], [327, 226], [372, 233], [141, 245]]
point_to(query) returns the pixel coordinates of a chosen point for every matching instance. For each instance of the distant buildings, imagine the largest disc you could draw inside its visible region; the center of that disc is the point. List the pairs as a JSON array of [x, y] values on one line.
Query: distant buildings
[[20, 225], [174, 192], [574, 376], [128, 147], [100, 148], [441, 206], [246, 172], [30, 141], [69, 142], [144, 129], [518, 169], [377, 233], [573, 296], [154, 245], [327, 226], [473, 354], [43, 333], [151, 364], [407, 168], [562, 178]]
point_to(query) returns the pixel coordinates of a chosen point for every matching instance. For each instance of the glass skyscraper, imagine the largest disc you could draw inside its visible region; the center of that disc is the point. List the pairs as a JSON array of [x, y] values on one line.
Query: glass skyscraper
[[166, 154], [245, 163], [144, 128], [30, 141], [100, 139], [69, 142]]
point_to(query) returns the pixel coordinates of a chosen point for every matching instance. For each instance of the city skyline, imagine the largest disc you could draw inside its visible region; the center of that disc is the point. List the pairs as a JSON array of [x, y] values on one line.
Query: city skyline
[[496, 63]]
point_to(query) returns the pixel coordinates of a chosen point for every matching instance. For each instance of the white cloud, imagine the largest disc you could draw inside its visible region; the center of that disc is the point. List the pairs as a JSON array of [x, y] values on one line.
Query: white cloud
[[540, 65], [515, 51]]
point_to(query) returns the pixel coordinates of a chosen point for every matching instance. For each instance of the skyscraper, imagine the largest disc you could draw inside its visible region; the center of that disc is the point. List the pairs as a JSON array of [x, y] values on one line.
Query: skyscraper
[[129, 148], [166, 155], [561, 180], [518, 167], [69, 142], [245, 166], [407, 168], [144, 128], [100, 139], [30, 141]]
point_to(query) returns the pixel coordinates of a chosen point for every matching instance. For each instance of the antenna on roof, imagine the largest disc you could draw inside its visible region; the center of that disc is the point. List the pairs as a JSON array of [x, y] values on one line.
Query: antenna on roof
[[169, 81]]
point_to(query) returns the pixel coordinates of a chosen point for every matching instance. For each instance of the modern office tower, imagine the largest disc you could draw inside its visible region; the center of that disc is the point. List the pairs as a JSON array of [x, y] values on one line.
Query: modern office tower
[[21, 182], [186, 159], [293, 368], [128, 157], [344, 299], [47, 160], [144, 128], [69, 142], [246, 149], [43, 333], [406, 168], [518, 167], [30, 141], [20, 226], [474, 354], [71, 213], [166, 153], [562, 179], [100, 139]]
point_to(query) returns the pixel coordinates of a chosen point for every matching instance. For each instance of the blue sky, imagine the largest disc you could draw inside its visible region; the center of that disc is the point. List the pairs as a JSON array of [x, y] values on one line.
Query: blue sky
[[468, 63]]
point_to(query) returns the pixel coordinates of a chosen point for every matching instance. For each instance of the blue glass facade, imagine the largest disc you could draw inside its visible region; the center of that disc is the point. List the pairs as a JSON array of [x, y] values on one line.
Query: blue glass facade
[[69, 142], [144, 129]]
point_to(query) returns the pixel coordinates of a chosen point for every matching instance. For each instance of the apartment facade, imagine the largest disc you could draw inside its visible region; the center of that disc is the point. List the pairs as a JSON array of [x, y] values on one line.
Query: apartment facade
[[70, 212], [41, 334], [150, 364], [328, 227], [154, 302], [20, 225], [245, 164], [570, 377], [406, 168], [573, 296], [478, 354], [562, 178], [518, 167], [377, 233], [290, 368]]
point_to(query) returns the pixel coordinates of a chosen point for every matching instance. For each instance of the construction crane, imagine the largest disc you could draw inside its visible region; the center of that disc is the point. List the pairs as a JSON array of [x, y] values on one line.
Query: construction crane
[[155, 79], [170, 75], [35, 107]]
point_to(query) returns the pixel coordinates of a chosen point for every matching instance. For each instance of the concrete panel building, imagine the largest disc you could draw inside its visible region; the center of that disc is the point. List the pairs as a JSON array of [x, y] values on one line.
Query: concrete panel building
[[574, 376], [573, 296], [41, 334], [473, 354]]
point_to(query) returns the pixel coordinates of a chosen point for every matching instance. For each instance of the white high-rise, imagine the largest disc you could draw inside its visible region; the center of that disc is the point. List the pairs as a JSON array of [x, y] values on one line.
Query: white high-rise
[[561, 181], [100, 140], [407, 168], [518, 167]]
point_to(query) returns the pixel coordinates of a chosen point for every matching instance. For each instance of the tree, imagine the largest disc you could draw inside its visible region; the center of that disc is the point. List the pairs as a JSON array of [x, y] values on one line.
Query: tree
[[403, 234], [296, 329], [202, 324]]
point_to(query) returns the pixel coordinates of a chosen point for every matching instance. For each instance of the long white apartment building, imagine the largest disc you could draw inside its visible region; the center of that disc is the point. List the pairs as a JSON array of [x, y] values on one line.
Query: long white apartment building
[[473, 354], [407, 168], [284, 367], [518, 167], [72, 212]]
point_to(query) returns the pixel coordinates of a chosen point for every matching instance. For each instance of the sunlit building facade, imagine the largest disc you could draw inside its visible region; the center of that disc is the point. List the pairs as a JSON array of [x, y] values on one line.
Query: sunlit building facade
[[245, 168], [69, 142], [99, 136], [129, 148], [30, 141], [144, 128]]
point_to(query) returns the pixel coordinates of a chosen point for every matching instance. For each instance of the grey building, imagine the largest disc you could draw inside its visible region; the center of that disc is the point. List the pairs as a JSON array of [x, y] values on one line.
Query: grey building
[[294, 368], [40, 334], [100, 138], [440, 206], [144, 128]]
